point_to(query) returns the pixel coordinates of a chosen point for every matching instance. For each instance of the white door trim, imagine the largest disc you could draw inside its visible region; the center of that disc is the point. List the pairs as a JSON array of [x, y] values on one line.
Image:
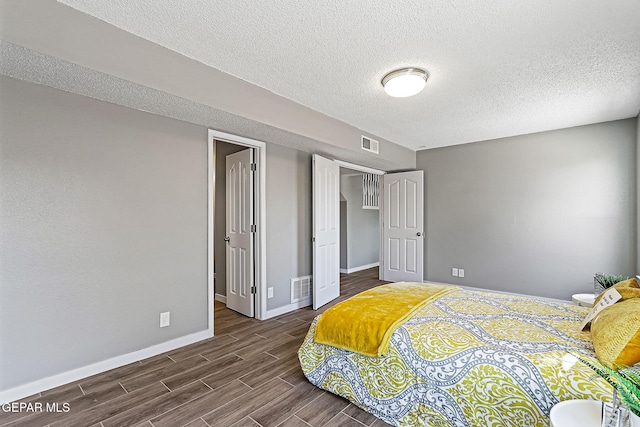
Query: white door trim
[[353, 166], [211, 197], [261, 220]]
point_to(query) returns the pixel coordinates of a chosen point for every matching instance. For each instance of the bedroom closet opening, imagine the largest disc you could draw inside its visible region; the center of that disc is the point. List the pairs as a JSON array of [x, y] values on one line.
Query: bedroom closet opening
[[395, 242], [359, 221], [358, 243]]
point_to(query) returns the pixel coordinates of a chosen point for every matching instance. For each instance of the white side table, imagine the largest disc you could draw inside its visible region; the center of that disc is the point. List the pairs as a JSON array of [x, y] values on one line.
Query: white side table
[[572, 413], [584, 300], [582, 413]]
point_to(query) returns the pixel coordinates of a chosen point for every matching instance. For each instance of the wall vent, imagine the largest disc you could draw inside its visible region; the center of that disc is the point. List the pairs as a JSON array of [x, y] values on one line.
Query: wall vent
[[369, 144], [301, 289]]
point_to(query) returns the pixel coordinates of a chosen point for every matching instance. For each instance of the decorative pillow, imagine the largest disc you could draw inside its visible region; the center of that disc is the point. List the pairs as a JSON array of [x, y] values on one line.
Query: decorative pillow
[[616, 334], [628, 289]]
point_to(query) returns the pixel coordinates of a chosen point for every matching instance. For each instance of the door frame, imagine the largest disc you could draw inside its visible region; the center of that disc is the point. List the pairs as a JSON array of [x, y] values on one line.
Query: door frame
[[359, 168], [380, 200], [260, 244]]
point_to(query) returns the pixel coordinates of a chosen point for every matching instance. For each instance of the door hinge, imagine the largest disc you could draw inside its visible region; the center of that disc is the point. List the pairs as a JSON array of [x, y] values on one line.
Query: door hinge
[[253, 228], [253, 289], [254, 166]]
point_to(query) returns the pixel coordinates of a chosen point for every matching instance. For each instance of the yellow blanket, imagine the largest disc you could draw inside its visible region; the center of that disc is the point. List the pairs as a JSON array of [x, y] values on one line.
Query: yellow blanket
[[365, 322]]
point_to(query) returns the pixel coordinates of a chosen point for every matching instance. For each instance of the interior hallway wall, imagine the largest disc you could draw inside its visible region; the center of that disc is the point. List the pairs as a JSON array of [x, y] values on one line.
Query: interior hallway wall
[[363, 227], [344, 244]]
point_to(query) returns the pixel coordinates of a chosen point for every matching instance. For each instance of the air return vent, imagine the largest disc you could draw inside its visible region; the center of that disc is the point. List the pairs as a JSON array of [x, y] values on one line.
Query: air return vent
[[369, 144], [301, 289]]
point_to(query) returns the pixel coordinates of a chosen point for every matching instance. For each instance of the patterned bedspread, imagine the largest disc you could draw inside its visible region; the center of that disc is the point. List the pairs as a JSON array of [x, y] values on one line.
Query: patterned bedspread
[[468, 358]]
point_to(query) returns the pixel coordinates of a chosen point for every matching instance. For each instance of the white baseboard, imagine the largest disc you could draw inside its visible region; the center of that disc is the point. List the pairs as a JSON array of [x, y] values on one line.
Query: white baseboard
[[286, 309], [13, 394], [221, 298], [362, 267]]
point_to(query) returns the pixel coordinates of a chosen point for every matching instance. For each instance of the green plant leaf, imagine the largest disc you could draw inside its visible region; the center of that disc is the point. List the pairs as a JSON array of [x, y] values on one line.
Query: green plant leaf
[[625, 379]]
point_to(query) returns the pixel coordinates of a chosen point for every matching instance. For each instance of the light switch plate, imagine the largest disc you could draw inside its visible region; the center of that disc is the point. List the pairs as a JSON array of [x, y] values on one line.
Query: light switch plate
[[165, 319]]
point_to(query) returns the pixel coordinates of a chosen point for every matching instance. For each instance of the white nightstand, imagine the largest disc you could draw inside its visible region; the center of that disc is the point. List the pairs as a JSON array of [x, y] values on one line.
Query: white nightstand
[[584, 300], [572, 413], [582, 413]]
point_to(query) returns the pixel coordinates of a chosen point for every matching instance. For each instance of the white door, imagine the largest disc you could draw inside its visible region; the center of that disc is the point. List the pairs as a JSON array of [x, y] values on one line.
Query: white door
[[326, 231], [402, 222], [239, 236]]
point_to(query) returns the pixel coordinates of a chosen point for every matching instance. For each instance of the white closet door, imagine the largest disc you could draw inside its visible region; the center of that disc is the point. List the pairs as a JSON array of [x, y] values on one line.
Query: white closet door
[[402, 232], [326, 231]]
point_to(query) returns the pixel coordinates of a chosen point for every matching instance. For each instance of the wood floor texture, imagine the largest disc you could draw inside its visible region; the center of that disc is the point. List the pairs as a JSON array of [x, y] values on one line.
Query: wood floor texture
[[247, 375]]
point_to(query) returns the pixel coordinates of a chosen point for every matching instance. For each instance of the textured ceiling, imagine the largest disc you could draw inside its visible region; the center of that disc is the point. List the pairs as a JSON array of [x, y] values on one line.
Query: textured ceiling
[[497, 69]]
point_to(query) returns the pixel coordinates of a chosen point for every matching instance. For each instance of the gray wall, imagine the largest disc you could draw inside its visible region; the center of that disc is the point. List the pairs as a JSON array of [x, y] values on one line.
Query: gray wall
[[363, 227], [289, 250], [223, 149], [537, 214], [638, 194], [104, 226], [343, 233]]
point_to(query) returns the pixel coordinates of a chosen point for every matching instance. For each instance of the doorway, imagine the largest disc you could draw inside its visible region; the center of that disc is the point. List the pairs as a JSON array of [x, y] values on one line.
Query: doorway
[[401, 239], [233, 247], [359, 222], [326, 226], [221, 146]]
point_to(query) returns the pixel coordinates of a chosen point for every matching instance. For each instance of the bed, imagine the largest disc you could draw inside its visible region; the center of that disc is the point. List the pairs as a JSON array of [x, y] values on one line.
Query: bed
[[463, 358]]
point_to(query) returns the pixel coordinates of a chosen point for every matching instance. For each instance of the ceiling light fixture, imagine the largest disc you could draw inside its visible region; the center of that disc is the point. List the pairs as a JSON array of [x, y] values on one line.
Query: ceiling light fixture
[[404, 82]]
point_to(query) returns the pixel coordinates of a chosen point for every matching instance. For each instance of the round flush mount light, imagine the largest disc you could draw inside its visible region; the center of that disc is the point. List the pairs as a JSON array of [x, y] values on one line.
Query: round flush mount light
[[404, 82]]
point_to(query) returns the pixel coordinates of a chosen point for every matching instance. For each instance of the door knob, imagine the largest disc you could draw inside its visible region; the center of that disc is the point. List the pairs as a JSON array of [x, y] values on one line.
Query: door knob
[[226, 239], [418, 234]]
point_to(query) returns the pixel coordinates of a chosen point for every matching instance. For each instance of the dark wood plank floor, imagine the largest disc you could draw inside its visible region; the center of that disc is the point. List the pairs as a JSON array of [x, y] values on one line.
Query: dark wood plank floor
[[247, 375]]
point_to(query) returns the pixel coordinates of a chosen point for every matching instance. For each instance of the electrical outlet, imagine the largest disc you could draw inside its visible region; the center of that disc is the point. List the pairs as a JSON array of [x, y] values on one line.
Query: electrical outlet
[[269, 292], [460, 272], [454, 272], [165, 319]]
